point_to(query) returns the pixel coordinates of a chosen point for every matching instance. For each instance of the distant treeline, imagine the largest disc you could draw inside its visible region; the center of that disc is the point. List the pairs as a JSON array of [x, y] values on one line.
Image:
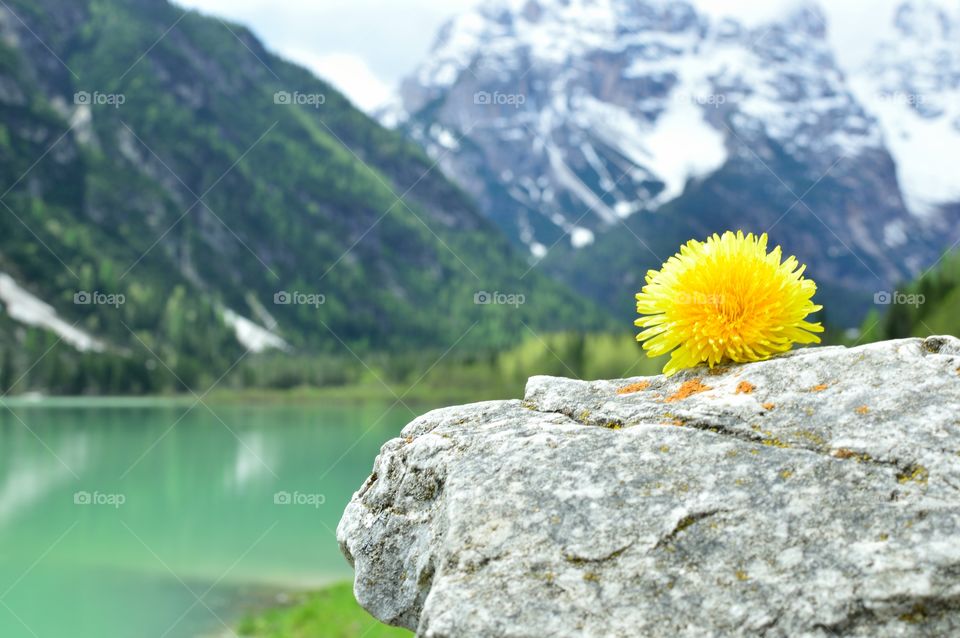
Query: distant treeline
[[32, 359], [39, 362], [929, 305]]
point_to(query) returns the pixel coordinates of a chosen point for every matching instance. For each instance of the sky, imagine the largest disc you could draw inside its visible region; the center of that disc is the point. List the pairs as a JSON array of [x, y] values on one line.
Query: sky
[[365, 47]]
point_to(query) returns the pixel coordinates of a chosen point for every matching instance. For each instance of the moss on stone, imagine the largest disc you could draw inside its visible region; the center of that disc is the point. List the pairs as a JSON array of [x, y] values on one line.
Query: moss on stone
[[917, 614], [914, 473]]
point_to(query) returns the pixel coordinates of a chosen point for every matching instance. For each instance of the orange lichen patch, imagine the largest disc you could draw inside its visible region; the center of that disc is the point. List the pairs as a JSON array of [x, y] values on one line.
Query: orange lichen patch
[[688, 389], [844, 453], [769, 406], [745, 387], [863, 409], [819, 388], [634, 387]]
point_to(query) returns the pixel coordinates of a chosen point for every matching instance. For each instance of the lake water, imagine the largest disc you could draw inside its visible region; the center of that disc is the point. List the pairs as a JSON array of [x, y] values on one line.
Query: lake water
[[117, 516]]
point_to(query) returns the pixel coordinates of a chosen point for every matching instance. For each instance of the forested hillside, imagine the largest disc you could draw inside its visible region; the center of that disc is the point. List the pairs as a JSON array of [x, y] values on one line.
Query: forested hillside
[[220, 200], [928, 306]]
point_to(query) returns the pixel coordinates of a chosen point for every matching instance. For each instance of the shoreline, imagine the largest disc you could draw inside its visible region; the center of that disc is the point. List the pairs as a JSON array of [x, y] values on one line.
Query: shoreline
[[338, 395]]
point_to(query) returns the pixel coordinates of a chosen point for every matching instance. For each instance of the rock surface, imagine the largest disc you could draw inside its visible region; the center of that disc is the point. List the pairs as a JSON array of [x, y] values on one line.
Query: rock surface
[[814, 494]]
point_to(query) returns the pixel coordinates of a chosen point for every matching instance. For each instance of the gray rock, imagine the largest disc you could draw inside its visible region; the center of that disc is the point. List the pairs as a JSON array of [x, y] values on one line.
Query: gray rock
[[815, 494]]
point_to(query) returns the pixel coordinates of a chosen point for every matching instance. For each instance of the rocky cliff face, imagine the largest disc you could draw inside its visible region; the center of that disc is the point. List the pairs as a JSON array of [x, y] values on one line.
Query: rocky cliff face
[[583, 126], [814, 494]]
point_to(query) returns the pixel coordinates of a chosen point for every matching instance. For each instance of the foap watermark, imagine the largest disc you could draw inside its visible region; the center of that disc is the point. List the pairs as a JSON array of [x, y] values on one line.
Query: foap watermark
[[86, 98], [114, 500], [296, 98], [484, 298], [897, 298], [903, 98], [284, 298], [485, 98], [97, 298], [699, 298], [715, 100], [299, 498]]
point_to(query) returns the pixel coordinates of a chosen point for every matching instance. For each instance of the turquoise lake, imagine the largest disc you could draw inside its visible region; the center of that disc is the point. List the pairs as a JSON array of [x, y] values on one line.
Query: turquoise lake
[[148, 518]]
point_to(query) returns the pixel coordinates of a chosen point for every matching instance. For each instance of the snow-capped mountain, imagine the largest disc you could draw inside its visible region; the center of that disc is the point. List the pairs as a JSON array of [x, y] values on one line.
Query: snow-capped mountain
[[579, 123]]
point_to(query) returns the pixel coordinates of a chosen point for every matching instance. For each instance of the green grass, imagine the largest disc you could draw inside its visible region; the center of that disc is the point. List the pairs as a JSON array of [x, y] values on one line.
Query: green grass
[[330, 612]]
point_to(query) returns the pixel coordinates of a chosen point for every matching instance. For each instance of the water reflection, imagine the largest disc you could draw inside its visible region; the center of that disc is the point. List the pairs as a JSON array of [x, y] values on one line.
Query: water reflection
[[114, 515], [253, 460], [32, 469]]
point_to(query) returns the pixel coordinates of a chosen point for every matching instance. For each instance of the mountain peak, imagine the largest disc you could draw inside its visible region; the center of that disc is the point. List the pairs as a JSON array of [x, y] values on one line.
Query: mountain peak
[[927, 19], [570, 119]]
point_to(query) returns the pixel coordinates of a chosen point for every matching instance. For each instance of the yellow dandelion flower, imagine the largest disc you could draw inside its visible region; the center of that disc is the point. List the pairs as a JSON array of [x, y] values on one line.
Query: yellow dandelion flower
[[725, 299]]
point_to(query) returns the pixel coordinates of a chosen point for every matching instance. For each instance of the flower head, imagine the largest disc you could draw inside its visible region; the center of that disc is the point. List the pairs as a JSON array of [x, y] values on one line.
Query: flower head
[[725, 299]]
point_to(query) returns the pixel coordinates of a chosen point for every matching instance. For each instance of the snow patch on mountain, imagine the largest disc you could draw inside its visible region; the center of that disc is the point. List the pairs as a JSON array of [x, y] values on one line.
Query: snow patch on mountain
[[678, 146], [912, 85], [251, 336], [926, 151], [28, 309]]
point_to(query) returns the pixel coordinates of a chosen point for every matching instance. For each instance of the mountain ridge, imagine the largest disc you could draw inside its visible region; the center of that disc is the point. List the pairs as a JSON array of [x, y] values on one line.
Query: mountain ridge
[[167, 157], [613, 113]]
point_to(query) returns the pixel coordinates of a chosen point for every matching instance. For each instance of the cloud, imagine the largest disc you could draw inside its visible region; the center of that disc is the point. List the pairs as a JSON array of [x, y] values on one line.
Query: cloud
[[349, 73], [748, 12], [855, 28], [386, 40]]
